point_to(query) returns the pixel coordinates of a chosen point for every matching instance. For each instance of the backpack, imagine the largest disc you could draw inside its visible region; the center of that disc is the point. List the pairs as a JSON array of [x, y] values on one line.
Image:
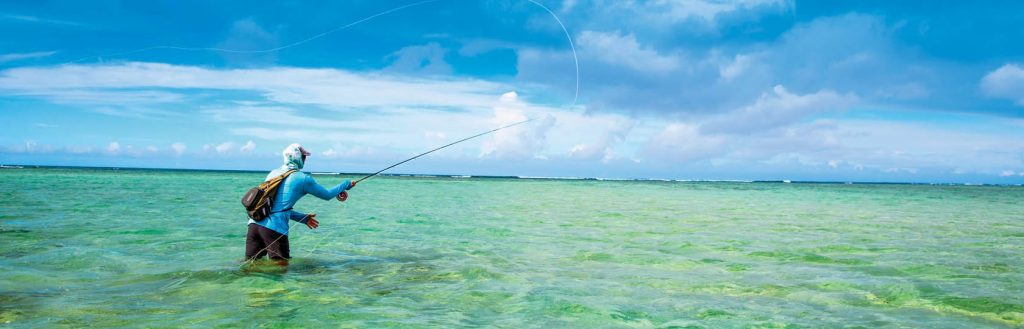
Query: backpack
[[260, 199]]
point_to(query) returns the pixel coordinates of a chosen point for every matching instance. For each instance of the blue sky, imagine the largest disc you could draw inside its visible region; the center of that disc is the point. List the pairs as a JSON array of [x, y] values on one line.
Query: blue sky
[[749, 90]]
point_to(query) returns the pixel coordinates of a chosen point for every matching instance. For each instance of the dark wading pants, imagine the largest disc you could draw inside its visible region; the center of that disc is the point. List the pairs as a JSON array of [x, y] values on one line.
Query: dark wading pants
[[259, 238]]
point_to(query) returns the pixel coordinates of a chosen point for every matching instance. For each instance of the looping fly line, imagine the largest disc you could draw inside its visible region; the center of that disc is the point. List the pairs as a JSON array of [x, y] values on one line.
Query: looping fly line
[[568, 37]]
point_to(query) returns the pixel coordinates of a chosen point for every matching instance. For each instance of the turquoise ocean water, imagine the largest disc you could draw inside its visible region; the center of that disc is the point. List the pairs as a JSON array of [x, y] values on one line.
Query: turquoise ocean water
[[113, 248]]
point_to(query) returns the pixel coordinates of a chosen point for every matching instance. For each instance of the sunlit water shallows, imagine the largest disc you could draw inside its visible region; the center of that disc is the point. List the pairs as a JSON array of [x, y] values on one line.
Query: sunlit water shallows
[[111, 248]]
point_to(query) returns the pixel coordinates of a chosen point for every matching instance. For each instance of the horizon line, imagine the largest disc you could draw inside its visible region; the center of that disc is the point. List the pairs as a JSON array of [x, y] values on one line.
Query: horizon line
[[524, 177]]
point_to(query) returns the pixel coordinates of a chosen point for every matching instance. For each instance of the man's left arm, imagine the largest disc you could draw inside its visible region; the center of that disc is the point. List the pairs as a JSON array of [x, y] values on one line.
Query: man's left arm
[[297, 216]]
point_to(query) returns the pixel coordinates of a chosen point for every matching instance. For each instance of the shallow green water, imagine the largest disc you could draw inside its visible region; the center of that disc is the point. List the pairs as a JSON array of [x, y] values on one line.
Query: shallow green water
[[161, 249]]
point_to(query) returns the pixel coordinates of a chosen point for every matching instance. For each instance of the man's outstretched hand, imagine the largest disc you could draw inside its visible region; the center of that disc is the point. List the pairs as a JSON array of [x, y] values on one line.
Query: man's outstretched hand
[[311, 221], [351, 186]]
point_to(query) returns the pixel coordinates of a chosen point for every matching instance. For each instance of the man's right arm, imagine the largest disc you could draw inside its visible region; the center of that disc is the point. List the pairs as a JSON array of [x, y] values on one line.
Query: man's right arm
[[312, 187]]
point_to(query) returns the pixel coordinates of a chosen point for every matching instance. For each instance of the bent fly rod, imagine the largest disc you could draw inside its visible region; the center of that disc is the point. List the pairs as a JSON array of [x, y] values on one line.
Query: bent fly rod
[[441, 147]]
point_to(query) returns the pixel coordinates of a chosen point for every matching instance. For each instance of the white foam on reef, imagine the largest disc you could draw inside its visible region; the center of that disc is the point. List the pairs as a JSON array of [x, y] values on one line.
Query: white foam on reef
[[701, 180], [550, 177]]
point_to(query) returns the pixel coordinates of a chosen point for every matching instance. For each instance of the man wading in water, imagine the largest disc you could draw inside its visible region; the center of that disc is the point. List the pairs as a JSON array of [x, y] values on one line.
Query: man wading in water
[[269, 236]]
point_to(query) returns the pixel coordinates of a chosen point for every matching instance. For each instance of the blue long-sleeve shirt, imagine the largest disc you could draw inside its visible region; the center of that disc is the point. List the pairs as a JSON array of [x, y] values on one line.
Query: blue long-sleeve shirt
[[297, 185]]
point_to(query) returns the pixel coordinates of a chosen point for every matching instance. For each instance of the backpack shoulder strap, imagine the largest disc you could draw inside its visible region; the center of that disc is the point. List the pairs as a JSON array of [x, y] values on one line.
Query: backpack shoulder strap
[[274, 182]]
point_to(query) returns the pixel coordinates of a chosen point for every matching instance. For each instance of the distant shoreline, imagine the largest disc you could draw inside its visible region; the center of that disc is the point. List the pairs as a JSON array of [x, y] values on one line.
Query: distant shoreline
[[19, 166]]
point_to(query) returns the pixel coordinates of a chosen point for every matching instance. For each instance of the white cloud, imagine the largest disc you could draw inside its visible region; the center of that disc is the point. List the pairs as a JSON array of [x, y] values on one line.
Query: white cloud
[[884, 145], [179, 148], [897, 170], [329, 87], [591, 152], [339, 151], [152, 149], [111, 97], [734, 68], [246, 34], [37, 19], [1005, 82], [616, 48], [849, 54], [1007, 173], [422, 59], [667, 12], [224, 147], [567, 6], [518, 142], [277, 116], [682, 142], [248, 147], [30, 146], [706, 10], [74, 149], [290, 135], [776, 109], [849, 145], [132, 111], [606, 131], [113, 147], [20, 56]]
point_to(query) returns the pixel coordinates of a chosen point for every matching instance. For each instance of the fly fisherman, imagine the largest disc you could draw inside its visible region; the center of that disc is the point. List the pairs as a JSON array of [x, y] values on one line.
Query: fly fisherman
[[269, 236]]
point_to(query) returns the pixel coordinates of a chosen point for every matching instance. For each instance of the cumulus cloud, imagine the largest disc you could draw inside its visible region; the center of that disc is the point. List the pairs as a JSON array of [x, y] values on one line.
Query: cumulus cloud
[[1005, 82], [611, 130], [669, 14], [246, 34], [179, 148], [224, 147], [620, 49], [732, 69], [682, 142], [339, 151], [113, 147], [777, 109], [849, 54], [586, 151], [522, 141], [248, 147], [896, 149], [30, 146], [421, 59], [705, 10]]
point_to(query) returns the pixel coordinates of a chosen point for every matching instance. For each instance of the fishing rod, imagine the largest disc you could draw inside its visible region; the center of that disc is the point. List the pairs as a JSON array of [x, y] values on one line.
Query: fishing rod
[[417, 156], [447, 145]]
